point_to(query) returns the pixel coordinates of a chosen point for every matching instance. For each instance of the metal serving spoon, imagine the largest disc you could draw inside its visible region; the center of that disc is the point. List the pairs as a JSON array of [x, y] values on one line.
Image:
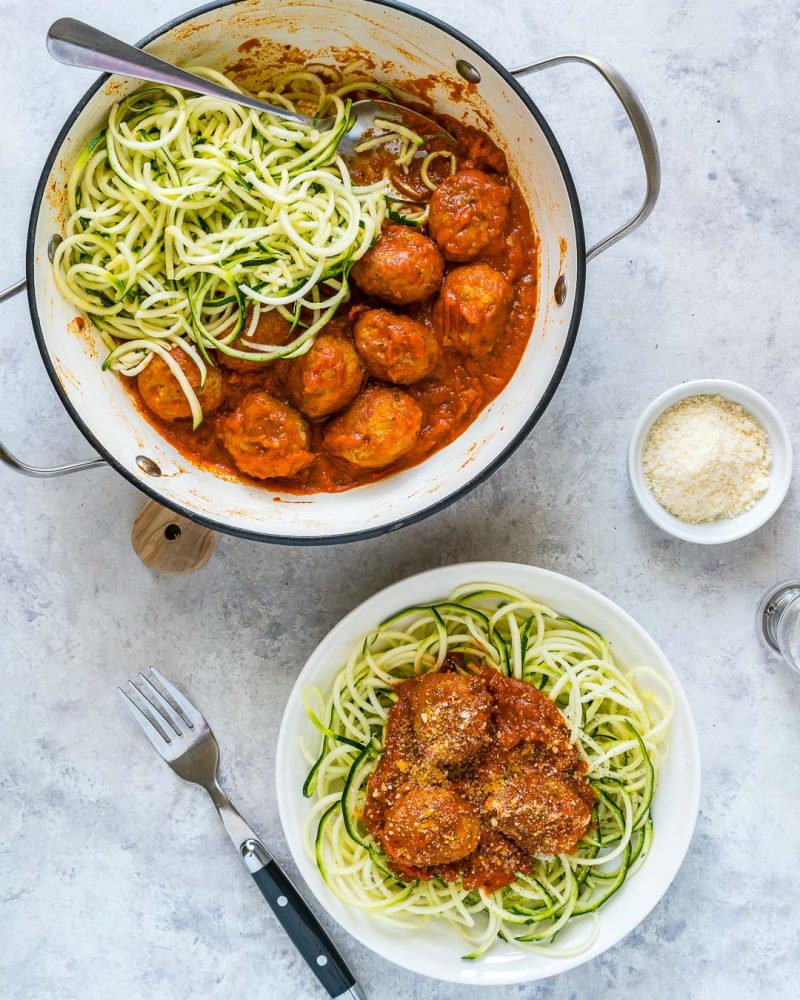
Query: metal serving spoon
[[77, 44]]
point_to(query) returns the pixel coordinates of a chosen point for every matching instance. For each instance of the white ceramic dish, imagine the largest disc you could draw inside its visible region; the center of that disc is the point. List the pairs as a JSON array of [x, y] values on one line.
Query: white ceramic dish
[[436, 949], [730, 528], [404, 43]]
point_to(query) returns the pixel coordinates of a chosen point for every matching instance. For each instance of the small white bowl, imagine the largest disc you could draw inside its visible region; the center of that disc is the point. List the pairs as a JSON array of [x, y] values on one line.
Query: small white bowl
[[729, 528]]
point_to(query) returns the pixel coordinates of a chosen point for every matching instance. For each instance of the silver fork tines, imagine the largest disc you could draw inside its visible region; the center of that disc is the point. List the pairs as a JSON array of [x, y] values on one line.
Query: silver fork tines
[[167, 718], [146, 719], [182, 705], [148, 690]]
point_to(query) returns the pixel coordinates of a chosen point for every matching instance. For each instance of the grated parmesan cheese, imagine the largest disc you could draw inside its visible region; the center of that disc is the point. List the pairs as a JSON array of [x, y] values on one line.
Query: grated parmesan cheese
[[707, 458]]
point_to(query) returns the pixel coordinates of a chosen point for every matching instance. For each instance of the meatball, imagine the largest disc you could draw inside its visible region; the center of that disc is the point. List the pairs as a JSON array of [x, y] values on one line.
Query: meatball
[[451, 716], [404, 266], [524, 714], [266, 438], [430, 826], [163, 395], [271, 328], [473, 309], [327, 377], [468, 215], [396, 348], [376, 430], [541, 813], [496, 863]]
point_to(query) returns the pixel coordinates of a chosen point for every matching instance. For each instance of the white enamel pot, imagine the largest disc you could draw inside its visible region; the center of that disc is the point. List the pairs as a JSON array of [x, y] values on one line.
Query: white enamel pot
[[405, 44]]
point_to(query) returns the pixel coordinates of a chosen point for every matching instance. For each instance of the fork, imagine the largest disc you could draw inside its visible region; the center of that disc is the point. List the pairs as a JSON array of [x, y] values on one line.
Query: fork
[[183, 738]]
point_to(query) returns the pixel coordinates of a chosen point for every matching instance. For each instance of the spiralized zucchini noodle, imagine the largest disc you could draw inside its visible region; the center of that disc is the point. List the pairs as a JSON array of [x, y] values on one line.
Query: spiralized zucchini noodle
[[189, 216], [619, 721]]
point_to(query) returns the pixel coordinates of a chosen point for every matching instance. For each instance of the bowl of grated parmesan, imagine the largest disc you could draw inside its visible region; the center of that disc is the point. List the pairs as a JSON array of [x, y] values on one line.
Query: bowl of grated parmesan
[[710, 461]]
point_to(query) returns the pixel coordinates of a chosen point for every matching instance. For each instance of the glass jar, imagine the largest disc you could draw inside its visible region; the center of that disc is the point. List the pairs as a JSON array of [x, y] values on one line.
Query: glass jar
[[778, 621]]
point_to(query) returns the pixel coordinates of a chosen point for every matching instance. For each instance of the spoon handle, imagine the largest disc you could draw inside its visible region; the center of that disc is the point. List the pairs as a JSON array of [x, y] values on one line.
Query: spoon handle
[[77, 44]]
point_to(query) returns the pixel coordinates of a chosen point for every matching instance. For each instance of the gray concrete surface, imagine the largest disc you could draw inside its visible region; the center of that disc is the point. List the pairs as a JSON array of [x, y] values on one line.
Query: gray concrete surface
[[116, 879]]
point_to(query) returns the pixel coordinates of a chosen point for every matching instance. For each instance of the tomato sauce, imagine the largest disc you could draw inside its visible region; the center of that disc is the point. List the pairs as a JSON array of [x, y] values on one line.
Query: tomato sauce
[[456, 391], [478, 775]]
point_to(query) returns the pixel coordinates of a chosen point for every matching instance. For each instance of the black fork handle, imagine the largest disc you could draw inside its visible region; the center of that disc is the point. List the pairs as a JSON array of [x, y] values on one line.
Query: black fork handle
[[306, 932]]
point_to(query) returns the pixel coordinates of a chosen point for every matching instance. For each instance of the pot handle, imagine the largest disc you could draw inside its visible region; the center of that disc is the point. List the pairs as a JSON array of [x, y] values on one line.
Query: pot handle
[[641, 126], [17, 464]]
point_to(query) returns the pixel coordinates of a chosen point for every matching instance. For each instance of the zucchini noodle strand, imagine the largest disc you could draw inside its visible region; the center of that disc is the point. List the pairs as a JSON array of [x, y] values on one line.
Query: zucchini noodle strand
[[189, 215]]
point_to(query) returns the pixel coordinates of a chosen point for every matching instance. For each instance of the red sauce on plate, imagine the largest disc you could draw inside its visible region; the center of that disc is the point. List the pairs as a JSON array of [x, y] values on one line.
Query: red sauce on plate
[[478, 775]]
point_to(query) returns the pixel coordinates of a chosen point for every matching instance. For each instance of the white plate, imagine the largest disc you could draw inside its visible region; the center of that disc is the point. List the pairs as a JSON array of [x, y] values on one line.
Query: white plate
[[436, 949], [727, 529]]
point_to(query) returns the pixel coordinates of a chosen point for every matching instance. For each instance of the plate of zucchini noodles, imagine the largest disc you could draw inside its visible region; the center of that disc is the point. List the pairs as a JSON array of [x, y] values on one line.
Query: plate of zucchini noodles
[[488, 773]]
